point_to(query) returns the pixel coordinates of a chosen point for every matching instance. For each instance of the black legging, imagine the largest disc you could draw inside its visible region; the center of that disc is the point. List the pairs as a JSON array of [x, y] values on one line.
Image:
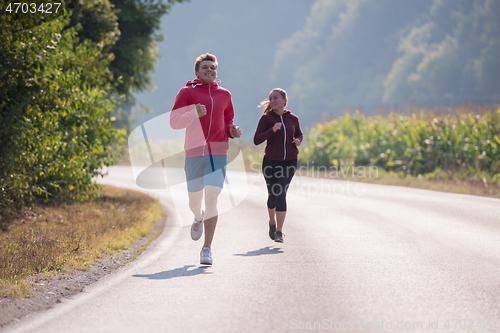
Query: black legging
[[278, 175]]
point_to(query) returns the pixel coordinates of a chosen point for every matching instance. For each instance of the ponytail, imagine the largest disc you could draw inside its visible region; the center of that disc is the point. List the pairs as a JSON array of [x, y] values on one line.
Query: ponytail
[[267, 105]]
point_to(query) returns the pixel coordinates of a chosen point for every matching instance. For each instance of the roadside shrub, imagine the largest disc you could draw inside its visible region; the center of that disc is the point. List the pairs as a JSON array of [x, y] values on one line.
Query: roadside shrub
[[55, 129], [418, 143]]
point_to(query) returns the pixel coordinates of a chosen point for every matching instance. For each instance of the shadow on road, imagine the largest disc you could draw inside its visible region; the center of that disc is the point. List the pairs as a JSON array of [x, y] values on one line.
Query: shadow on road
[[264, 251], [178, 272]]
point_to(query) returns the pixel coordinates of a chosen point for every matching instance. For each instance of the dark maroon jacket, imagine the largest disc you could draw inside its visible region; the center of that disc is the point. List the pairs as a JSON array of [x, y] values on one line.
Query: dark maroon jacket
[[280, 144]]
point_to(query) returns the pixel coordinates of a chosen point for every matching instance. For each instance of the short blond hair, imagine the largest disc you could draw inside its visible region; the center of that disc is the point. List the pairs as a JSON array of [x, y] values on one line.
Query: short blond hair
[[204, 57]]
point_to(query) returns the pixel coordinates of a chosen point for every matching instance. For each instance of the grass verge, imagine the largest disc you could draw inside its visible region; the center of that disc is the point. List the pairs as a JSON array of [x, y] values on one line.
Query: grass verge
[[47, 239], [439, 180], [464, 182]]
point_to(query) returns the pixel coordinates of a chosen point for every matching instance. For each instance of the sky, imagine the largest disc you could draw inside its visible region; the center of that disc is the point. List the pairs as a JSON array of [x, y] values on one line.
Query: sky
[[244, 43], [332, 56]]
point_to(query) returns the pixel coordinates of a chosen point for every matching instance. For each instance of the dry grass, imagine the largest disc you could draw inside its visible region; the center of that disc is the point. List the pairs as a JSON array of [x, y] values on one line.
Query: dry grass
[[474, 185], [47, 239], [436, 181], [439, 180]]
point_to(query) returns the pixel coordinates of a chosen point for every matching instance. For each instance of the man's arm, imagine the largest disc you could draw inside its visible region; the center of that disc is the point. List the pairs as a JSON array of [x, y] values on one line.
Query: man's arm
[[183, 114], [233, 131]]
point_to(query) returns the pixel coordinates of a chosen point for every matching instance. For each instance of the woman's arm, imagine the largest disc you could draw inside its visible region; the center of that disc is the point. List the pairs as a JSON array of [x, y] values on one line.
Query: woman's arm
[[298, 131], [263, 132]]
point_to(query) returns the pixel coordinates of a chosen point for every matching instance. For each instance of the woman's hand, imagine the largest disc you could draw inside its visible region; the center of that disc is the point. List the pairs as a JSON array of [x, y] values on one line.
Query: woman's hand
[[276, 127], [296, 141]]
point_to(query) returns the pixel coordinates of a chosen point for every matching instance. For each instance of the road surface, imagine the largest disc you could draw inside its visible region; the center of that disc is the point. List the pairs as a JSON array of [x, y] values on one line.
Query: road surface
[[356, 258]]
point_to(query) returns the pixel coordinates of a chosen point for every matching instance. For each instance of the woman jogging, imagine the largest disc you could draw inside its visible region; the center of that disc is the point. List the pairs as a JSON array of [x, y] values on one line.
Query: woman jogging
[[281, 129]]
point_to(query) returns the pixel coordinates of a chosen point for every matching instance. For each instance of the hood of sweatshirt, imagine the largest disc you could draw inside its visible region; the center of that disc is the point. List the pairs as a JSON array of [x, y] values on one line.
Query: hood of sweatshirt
[[210, 131], [194, 83], [286, 112]]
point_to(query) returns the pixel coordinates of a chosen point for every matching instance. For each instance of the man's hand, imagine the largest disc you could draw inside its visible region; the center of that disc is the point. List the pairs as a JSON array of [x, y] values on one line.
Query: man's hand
[[234, 131], [201, 110]]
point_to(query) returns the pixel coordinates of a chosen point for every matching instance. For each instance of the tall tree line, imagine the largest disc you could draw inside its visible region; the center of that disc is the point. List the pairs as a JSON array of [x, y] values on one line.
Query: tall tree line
[[381, 53], [62, 81]]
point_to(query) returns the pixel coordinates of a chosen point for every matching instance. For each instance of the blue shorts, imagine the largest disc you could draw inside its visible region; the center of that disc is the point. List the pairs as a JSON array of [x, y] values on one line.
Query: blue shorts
[[205, 170]]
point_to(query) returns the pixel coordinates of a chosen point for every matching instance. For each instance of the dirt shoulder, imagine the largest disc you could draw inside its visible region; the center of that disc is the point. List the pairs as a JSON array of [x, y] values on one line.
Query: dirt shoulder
[[65, 285]]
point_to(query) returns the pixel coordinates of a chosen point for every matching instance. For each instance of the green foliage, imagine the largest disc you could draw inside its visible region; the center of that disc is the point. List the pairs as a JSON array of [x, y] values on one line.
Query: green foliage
[[453, 55], [60, 80], [131, 26], [414, 144], [98, 22], [136, 50], [54, 128], [372, 53]]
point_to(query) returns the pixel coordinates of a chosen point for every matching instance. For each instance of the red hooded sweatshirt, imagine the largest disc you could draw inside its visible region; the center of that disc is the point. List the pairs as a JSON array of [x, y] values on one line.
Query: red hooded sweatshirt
[[207, 135], [280, 144]]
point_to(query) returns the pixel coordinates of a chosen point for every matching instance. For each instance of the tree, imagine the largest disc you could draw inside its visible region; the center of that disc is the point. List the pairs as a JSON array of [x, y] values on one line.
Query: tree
[[127, 30], [451, 57], [342, 53], [60, 81], [135, 51], [55, 130], [374, 53]]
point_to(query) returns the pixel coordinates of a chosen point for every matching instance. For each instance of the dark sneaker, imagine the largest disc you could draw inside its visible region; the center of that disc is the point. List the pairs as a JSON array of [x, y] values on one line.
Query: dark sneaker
[[272, 231], [279, 237]]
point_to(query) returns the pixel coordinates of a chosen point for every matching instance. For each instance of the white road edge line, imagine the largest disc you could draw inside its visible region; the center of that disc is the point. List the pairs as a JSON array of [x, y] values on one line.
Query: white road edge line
[[159, 246]]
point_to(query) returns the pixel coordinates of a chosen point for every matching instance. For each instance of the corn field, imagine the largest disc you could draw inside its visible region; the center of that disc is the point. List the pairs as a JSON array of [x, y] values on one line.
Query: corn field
[[414, 143]]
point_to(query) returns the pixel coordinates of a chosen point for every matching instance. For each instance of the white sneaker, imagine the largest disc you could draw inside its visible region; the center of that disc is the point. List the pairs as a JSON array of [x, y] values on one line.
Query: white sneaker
[[206, 256], [197, 229]]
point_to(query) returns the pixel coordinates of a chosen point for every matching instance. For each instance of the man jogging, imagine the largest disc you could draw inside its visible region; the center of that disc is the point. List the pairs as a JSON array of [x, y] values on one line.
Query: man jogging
[[206, 111]]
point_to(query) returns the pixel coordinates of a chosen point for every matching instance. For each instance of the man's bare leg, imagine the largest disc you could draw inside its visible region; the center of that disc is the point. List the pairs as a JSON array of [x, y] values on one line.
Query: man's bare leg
[[195, 200], [211, 197]]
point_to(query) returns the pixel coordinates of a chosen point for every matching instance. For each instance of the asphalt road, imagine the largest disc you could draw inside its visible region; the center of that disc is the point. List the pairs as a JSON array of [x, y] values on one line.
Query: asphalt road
[[356, 258]]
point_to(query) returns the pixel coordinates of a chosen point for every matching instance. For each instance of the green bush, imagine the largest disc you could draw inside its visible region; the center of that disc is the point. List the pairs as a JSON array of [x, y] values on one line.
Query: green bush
[[414, 144], [55, 130]]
